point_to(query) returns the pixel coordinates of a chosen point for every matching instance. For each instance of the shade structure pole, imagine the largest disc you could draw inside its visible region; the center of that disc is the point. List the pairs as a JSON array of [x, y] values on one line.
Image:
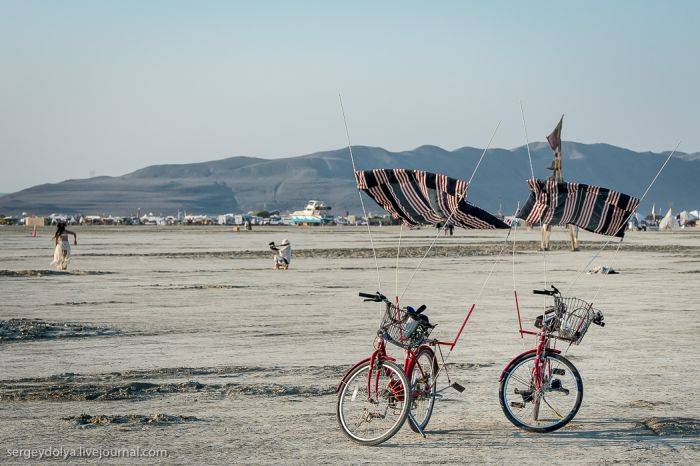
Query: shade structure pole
[[362, 202], [453, 343], [641, 199], [398, 253], [527, 141], [545, 233], [464, 196]]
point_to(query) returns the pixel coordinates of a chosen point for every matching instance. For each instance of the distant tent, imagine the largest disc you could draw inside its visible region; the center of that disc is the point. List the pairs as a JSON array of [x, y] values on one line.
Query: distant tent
[[688, 218], [636, 220], [669, 221]]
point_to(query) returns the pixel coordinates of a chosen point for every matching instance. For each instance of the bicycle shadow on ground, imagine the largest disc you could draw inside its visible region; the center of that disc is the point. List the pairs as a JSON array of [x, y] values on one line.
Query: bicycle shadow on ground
[[628, 428], [601, 429], [583, 432], [612, 429]]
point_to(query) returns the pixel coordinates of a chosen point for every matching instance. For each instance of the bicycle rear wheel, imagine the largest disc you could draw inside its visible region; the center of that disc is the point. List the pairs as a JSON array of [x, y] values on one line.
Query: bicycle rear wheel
[[372, 416], [423, 388], [552, 406]]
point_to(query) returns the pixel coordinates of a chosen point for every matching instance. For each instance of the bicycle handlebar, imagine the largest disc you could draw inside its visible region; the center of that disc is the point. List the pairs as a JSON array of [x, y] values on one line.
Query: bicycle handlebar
[[377, 297], [552, 292], [599, 319]]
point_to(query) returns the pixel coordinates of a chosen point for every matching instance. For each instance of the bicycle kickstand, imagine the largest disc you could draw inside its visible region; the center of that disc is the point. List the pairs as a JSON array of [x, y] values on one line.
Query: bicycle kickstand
[[415, 424]]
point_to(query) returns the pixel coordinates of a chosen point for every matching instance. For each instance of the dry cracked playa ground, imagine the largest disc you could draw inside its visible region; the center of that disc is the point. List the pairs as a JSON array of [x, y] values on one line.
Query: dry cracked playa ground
[[185, 339]]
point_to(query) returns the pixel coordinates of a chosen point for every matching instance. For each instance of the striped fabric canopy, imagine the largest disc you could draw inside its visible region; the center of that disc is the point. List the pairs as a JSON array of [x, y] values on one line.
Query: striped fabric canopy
[[419, 197], [592, 208]]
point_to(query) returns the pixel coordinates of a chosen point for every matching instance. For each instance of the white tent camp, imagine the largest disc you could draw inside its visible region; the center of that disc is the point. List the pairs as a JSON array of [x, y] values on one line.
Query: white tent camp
[[635, 221], [688, 218], [669, 221]]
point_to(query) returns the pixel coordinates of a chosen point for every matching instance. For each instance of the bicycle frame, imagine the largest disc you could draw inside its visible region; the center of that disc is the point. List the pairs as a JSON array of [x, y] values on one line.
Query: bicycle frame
[[539, 367], [410, 355], [542, 347]]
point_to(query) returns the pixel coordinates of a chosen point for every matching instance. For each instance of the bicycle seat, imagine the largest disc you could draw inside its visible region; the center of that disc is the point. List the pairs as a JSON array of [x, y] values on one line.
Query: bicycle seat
[[547, 319]]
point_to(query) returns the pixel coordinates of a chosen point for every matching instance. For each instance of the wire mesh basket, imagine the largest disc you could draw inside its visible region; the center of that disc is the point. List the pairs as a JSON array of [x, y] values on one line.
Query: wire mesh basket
[[402, 328], [572, 318]]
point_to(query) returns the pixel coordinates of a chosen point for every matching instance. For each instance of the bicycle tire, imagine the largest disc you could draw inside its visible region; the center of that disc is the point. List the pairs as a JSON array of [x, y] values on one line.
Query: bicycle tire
[[434, 364], [401, 377], [565, 419]]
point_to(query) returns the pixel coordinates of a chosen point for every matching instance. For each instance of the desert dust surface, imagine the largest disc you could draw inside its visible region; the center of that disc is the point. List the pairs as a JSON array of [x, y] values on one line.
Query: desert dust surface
[[185, 339]]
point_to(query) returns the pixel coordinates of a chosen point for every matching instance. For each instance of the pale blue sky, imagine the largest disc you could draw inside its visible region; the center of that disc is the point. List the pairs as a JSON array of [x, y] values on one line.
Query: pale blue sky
[[110, 87]]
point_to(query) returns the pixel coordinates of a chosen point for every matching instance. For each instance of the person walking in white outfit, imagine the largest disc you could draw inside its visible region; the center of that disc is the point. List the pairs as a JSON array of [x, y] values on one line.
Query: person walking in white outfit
[[62, 251]]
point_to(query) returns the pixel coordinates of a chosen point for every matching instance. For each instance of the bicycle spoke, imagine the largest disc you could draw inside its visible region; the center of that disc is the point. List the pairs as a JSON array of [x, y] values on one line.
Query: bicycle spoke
[[371, 420], [547, 408], [423, 389], [522, 381], [552, 407]]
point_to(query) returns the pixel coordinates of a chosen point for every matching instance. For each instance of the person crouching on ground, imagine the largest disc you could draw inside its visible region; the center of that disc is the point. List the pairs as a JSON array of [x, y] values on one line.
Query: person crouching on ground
[[61, 254], [283, 254]]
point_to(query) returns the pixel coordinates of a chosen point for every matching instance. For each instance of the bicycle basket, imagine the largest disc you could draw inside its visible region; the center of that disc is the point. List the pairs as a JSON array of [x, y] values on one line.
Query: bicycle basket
[[574, 318], [402, 329]]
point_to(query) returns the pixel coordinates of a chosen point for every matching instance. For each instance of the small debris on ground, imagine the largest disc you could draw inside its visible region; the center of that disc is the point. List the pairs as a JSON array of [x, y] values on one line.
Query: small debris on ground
[[158, 419], [603, 269]]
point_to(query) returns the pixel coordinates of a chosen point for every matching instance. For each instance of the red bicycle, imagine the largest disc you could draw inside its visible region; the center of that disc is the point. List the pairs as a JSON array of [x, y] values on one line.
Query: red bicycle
[[541, 390], [376, 396]]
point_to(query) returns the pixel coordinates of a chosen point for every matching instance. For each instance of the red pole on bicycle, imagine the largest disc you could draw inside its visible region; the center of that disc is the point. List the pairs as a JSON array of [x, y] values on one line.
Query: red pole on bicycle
[[454, 342], [517, 308]]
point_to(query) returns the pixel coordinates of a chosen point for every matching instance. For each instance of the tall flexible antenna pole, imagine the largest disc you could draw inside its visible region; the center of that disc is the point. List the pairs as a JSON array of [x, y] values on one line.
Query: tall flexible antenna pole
[[641, 199], [362, 202], [527, 140], [464, 196], [532, 173], [398, 253]]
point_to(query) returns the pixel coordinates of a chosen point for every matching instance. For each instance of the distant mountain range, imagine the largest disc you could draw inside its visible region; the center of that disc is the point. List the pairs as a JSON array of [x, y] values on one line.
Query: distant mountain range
[[239, 184]]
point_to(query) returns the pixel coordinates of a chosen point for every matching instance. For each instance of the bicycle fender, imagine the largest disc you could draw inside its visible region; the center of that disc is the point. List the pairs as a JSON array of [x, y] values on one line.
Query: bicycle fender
[[358, 363], [523, 354]]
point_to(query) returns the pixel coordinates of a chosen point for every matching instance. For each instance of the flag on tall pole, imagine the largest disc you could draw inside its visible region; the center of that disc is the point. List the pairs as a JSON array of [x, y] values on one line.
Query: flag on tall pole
[[554, 140]]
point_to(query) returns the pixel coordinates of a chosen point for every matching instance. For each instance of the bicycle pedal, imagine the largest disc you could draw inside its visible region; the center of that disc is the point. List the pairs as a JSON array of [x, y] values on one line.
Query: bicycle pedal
[[526, 394], [517, 404], [555, 386], [457, 386], [559, 371]]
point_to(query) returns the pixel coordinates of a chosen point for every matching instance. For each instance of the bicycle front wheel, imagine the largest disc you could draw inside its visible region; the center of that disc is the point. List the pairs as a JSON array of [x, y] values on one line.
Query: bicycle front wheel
[[423, 388], [548, 408], [373, 403]]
